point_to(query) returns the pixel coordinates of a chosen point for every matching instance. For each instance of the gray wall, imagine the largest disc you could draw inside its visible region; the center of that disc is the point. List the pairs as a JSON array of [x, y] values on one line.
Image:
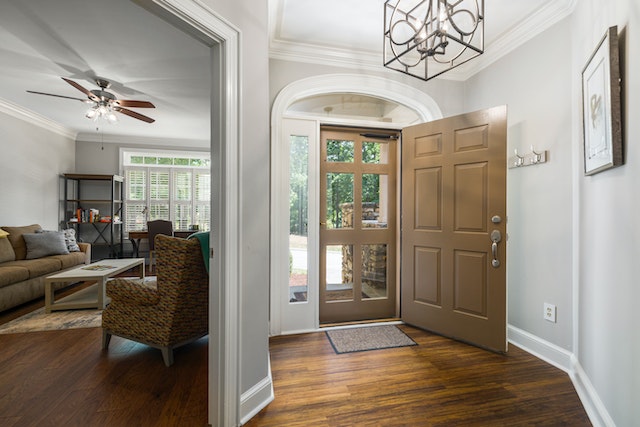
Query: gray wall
[[608, 237], [32, 160], [573, 239], [251, 18], [539, 204]]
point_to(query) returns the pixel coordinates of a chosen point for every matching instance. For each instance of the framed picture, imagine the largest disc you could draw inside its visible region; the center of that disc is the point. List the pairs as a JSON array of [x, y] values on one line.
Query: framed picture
[[601, 106]]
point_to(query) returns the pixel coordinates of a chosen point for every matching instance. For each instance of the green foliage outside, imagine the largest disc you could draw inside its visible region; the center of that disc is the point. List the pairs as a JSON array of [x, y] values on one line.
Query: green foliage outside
[[339, 185], [298, 185]]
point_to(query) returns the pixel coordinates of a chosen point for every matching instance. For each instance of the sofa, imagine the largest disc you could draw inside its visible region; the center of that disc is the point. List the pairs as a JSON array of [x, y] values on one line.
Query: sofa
[[28, 254]]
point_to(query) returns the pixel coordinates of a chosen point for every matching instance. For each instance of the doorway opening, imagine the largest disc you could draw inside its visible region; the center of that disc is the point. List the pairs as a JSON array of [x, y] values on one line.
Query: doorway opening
[[358, 205], [346, 100]]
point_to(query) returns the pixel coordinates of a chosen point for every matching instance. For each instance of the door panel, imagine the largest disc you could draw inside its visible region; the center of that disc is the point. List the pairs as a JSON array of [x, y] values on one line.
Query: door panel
[[453, 183], [358, 225]]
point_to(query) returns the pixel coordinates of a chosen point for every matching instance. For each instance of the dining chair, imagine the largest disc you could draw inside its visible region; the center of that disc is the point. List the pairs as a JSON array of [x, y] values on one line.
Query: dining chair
[[155, 227]]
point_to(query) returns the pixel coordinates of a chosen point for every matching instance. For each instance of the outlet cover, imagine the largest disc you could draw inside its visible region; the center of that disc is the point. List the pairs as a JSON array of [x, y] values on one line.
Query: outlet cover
[[549, 312]]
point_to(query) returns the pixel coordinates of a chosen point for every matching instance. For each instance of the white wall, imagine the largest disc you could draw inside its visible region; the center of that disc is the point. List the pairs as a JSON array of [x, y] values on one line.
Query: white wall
[[32, 160], [534, 82], [608, 337], [251, 18]]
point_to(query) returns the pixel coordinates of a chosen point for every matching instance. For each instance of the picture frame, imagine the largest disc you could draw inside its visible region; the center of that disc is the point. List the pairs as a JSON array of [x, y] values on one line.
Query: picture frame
[[601, 106]]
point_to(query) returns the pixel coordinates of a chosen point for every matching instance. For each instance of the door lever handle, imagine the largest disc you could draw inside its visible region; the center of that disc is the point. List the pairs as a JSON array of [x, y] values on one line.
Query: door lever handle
[[496, 237]]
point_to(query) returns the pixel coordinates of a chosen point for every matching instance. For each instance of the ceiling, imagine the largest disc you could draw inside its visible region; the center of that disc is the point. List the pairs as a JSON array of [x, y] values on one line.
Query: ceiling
[[144, 57], [147, 59]]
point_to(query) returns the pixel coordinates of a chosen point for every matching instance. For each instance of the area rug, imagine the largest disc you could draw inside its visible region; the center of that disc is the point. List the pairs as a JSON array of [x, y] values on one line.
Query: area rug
[[367, 338], [38, 320]]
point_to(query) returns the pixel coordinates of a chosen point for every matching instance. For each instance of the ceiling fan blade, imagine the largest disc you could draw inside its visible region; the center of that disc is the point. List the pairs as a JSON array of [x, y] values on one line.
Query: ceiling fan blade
[[59, 96], [134, 115], [134, 104], [82, 89]]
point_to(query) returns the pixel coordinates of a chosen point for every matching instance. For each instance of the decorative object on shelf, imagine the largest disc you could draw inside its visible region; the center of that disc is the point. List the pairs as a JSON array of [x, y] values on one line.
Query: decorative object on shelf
[[601, 106], [425, 38], [104, 104], [529, 159]]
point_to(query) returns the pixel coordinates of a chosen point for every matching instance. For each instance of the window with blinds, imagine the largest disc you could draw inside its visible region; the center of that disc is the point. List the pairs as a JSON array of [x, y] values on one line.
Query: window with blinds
[[174, 186]]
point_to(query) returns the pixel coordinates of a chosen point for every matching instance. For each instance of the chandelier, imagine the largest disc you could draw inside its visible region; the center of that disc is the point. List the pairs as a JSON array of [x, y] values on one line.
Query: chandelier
[[425, 38]]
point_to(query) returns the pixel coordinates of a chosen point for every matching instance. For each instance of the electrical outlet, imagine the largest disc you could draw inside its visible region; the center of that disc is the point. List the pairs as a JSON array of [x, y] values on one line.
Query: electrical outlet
[[549, 312]]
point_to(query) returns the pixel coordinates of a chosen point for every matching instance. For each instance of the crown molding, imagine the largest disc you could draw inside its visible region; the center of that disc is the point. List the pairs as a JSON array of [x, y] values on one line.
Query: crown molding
[[534, 24], [36, 119], [539, 21]]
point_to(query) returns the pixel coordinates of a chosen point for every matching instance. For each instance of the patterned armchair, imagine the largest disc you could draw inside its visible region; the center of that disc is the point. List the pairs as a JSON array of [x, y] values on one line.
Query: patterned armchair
[[170, 313]]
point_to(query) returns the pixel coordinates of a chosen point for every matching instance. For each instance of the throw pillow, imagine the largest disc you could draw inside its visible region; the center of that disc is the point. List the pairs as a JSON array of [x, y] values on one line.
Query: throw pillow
[[6, 251], [43, 244], [70, 240], [15, 237]]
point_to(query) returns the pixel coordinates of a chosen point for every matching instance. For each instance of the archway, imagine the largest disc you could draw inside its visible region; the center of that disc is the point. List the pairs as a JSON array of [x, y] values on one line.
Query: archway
[[288, 317]]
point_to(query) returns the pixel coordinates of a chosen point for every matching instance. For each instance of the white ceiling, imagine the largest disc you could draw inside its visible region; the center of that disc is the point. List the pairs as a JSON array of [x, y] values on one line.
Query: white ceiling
[[341, 32], [148, 59], [145, 58]]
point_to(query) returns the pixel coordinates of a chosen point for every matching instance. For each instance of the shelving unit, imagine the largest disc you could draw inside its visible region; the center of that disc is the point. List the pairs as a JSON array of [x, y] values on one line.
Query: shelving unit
[[104, 193]]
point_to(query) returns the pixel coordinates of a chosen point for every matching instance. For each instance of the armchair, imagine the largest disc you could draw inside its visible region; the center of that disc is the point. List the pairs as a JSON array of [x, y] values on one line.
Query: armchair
[[172, 313]]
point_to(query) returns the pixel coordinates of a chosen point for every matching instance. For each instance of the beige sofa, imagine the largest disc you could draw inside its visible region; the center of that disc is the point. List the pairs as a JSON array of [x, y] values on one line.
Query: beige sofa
[[26, 260]]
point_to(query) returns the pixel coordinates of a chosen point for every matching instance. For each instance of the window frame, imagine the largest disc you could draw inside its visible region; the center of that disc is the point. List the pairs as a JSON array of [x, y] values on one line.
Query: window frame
[[195, 170]]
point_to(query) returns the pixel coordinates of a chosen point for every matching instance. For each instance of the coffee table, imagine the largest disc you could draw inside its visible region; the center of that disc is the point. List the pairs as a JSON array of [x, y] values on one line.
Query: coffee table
[[93, 296]]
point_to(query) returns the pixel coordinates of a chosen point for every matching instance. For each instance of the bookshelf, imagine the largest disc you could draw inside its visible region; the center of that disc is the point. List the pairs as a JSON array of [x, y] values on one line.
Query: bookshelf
[[93, 205]]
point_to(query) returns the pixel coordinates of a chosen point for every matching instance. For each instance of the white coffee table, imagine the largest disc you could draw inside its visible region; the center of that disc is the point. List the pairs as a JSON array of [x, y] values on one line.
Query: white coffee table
[[93, 296]]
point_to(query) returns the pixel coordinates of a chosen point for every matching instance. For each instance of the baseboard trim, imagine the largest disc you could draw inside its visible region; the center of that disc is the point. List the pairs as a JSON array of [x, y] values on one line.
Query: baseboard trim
[[569, 363], [257, 397], [597, 412], [542, 349]]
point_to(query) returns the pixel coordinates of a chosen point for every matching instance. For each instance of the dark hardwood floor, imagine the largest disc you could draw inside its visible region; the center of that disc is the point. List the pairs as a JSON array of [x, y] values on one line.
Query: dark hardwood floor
[[63, 378], [440, 382]]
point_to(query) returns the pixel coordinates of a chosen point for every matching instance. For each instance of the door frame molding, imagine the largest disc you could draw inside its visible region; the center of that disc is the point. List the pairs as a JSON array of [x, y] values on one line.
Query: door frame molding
[[225, 316], [421, 103]]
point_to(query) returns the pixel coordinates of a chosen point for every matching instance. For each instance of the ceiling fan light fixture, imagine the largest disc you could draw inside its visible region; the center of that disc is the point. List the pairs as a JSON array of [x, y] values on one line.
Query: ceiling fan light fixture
[[101, 110], [105, 104]]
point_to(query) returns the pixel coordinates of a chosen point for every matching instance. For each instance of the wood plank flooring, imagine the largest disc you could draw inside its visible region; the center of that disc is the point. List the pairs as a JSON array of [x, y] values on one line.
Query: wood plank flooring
[[63, 378], [440, 382]]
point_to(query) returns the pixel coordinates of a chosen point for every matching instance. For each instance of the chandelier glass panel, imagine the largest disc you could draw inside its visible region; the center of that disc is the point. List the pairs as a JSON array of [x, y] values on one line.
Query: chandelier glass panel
[[427, 38]]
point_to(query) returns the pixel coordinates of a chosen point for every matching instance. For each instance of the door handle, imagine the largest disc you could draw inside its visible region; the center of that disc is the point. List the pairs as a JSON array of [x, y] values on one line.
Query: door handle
[[496, 237]]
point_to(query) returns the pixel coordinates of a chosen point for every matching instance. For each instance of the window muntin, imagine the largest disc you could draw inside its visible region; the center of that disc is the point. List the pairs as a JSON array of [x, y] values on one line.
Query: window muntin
[[173, 186]]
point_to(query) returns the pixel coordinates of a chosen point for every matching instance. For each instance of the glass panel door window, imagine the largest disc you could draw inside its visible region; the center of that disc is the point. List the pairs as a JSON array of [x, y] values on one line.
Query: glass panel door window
[[298, 218]]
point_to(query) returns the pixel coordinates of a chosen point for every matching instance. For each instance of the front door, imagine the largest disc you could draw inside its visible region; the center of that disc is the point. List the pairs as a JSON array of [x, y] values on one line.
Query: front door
[[357, 224], [453, 227]]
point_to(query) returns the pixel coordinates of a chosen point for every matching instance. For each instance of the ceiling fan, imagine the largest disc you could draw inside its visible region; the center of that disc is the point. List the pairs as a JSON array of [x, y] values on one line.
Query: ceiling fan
[[105, 103]]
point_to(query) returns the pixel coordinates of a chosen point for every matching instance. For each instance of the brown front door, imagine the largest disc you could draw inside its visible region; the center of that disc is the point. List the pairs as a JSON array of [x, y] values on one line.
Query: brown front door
[[357, 225], [454, 227]]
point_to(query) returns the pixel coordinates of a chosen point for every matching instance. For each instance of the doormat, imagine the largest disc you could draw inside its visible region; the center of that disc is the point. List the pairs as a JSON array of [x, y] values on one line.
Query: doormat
[[367, 338], [38, 320]]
